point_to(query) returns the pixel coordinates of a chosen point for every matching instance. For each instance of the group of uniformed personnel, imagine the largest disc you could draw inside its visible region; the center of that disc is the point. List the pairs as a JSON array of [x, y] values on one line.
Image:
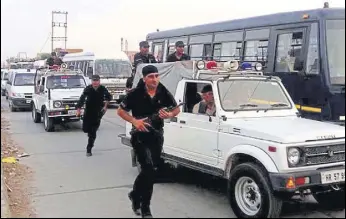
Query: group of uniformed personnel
[[148, 98], [145, 57]]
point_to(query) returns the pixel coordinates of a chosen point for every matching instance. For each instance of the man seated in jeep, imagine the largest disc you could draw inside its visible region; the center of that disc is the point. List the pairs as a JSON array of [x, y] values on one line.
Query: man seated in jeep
[[207, 105]]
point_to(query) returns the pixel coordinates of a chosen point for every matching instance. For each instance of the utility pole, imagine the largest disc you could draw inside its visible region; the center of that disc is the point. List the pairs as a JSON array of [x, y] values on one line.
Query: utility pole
[[59, 24], [121, 44], [126, 47]]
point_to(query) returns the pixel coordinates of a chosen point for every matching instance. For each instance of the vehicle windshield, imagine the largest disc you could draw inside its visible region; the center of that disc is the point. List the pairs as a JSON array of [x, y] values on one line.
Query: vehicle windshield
[[252, 95], [336, 51], [65, 82], [24, 79], [113, 68], [4, 75]]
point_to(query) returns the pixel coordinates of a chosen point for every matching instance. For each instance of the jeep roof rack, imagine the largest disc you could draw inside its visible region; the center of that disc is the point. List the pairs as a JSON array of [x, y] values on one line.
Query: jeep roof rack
[[226, 69]]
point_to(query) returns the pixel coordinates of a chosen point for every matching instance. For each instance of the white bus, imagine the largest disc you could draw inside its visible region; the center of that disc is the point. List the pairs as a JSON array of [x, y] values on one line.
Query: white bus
[[113, 70]]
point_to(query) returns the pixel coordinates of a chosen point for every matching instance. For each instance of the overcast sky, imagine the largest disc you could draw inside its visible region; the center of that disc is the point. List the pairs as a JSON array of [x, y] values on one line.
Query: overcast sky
[[98, 25]]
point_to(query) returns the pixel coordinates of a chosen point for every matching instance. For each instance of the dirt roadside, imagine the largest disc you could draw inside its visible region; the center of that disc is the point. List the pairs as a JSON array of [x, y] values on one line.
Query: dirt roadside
[[17, 176]]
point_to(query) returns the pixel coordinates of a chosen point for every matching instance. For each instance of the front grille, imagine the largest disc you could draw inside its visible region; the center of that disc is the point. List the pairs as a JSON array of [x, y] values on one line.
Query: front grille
[[28, 95], [324, 154], [69, 103]]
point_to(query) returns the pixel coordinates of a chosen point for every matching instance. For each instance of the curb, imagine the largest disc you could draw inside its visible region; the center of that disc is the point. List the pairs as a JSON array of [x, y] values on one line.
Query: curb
[[5, 208]]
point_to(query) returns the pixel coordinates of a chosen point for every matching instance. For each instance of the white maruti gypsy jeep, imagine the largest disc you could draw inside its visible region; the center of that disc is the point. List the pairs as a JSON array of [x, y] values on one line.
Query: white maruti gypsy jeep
[[57, 92], [256, 140]]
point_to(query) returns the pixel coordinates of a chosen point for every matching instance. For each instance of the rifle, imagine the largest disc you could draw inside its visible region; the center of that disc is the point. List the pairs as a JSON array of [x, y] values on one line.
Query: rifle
[[153, 118]]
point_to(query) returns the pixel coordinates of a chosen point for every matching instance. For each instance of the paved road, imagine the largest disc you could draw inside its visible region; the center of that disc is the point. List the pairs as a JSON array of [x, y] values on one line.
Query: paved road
[[68, 184]]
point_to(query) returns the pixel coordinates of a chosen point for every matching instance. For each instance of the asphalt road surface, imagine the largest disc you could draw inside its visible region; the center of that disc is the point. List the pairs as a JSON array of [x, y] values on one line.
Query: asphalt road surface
[[69, 184]]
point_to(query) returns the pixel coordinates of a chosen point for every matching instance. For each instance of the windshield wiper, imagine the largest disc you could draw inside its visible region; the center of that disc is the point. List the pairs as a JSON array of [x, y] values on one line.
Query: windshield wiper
[[279, 105], [248, 105]]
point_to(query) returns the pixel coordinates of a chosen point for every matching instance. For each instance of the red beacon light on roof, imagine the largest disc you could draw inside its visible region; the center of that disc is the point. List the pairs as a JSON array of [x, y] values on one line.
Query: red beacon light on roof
[[211, 65]]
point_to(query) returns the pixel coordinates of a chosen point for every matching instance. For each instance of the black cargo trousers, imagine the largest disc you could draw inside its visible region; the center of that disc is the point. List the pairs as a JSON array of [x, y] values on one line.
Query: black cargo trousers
[[148, 148], [91, 123]]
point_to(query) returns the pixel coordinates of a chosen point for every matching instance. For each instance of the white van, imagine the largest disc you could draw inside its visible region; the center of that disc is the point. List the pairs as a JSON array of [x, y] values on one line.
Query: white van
[[19, 88], [4, 79]]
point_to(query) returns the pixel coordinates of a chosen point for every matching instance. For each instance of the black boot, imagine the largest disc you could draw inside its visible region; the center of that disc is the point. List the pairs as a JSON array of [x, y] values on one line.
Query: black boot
[[146, 213], [91, 141], [88, 153], [135, 204]]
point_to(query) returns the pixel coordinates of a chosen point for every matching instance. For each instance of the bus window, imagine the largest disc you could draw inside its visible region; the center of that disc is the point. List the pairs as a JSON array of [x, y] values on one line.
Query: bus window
[[230, 51], [256, 50], [256, 45], [313, 62], [217, 52], [196, 51], [208, 52], [158, 52], [335, 34], [289, 48]]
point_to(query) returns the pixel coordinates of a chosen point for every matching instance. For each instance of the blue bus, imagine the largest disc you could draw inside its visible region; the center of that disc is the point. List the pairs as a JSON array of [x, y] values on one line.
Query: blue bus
[[306, 49]]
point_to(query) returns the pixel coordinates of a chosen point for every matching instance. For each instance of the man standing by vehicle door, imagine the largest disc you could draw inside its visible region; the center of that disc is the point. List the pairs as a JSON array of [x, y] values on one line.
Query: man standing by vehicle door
[[147, 99], [142, 57], [97, 100], [179, 54]]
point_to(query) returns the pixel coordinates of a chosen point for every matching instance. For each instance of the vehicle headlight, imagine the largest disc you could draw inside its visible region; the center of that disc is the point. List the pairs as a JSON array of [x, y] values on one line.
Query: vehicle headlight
[[57, 104], [17, 95], [293, 156]]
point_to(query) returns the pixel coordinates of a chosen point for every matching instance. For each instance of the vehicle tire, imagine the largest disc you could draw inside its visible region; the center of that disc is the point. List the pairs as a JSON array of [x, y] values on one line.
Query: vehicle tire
[[330, 198], [48, 122], [36, 117], [250, 193], [12, 109]]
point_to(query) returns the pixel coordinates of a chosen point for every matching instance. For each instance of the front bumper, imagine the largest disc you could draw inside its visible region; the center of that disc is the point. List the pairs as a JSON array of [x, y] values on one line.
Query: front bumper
[[22, 103], [64, 113], [279, 181]]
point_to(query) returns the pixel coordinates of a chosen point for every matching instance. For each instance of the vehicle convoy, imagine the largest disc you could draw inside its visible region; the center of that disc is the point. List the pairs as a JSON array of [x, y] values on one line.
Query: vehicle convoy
[[113, 70], [257, 139], [19, 88], [4, 79], [56, 94], [306, 49]]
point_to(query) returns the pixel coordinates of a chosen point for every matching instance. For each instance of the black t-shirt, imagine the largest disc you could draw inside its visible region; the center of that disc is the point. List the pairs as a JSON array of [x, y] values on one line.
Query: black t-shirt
[[94, 99], [142, 105], [173, 58], [139, 58]]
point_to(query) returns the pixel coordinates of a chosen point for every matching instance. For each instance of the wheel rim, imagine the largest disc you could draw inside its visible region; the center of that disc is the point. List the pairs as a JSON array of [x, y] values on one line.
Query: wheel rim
[[248, 196]]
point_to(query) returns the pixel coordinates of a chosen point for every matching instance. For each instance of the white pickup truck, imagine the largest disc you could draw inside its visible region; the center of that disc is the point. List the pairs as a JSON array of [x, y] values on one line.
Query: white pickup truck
[[57, 92], [257, 139]]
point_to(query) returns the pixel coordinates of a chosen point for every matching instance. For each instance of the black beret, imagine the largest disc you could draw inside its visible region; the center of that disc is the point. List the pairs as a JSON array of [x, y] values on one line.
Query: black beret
[[149, 69], [207, 88], [95, 77], [143, 44]]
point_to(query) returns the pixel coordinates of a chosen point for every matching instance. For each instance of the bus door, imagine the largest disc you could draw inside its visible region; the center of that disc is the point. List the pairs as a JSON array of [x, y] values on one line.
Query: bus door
[[296, 62]]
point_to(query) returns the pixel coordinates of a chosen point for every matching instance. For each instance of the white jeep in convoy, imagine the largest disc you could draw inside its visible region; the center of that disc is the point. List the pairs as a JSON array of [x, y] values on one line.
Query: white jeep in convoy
[[56, 95], [256, 140]]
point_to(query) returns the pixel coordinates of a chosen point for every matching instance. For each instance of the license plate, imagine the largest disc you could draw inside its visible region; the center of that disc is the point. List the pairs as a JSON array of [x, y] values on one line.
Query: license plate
[[333, 176], [116, 96], [72, 112], [28, 101]]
